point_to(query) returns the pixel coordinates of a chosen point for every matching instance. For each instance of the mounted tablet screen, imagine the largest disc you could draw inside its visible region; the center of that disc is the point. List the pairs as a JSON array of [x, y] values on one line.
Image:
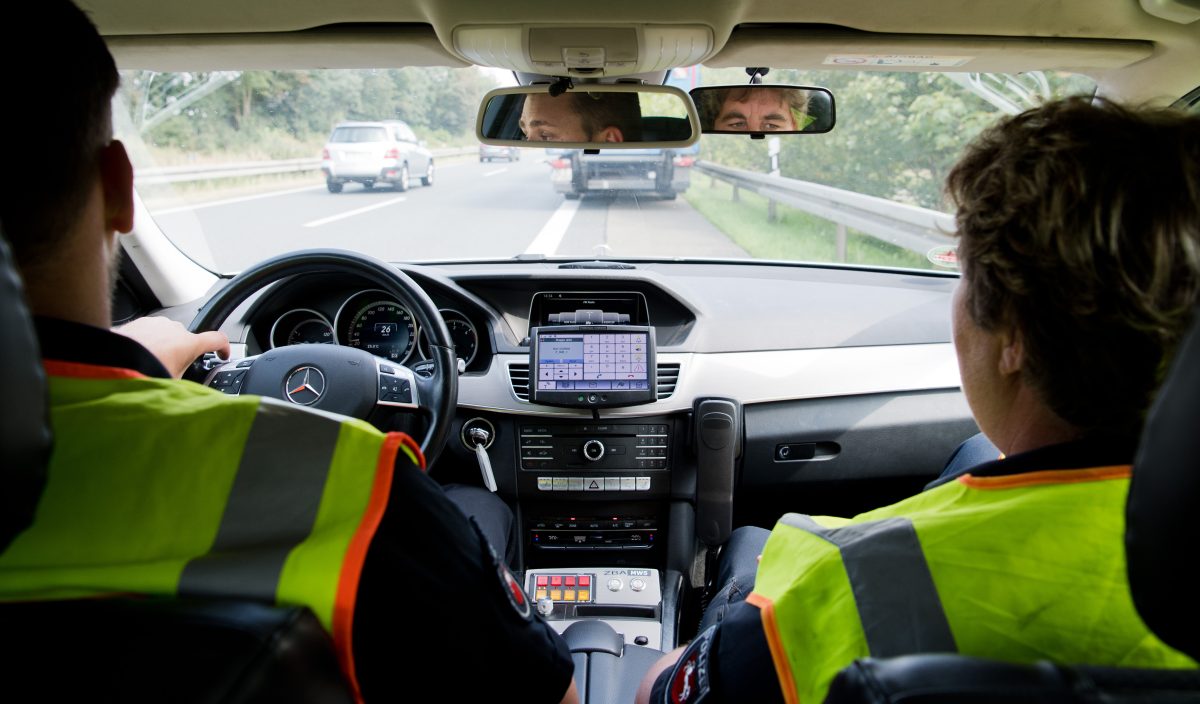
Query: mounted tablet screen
[[592, 366]]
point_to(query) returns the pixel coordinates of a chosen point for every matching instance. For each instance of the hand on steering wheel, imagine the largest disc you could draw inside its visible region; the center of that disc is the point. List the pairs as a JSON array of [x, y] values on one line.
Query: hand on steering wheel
[[341, 379]]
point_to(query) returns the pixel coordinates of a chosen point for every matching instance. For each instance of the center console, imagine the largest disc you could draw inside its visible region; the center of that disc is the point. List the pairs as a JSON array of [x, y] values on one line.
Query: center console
[[594, 492]]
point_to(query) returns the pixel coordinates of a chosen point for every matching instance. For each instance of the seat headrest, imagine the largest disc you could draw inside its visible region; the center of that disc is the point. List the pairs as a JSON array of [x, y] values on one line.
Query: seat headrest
[[25, 433], [1162, 531]]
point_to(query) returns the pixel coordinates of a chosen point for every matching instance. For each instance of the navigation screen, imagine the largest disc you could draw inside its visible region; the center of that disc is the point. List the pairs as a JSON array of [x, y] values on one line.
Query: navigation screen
[[577, 366]]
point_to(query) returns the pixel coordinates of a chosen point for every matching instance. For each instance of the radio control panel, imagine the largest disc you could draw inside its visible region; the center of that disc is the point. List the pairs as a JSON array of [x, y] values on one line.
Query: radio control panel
[[591, 447]]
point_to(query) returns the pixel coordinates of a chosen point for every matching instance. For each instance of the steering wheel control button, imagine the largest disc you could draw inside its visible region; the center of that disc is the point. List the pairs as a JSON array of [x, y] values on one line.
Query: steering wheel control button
[[615, 585], [637, 584], [386, 369], [593, 450], [245, 363], [641, 640], [643, 484]]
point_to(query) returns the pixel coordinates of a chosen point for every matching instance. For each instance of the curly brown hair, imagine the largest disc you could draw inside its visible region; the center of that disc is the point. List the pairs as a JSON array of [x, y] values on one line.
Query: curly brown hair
[[1079, 225]]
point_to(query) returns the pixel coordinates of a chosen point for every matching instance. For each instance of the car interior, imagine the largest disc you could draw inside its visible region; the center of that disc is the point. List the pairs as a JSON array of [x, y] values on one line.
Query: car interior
[[755, 387]]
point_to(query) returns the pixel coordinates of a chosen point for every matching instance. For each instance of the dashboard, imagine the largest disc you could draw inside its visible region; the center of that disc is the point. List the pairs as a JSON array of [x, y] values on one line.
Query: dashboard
[[851, 370]]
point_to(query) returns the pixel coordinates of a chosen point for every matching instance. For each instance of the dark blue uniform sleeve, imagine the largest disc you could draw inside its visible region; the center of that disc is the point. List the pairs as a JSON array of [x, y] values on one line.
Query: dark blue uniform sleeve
[[437, 608], [729, 662]]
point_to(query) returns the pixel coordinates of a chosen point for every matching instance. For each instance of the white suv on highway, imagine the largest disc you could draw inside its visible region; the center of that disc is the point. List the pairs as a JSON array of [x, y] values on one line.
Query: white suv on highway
[[375, 152]]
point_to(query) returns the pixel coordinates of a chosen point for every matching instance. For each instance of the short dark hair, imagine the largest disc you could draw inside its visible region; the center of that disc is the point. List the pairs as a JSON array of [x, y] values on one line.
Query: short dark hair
[[1079, 225], [66, 79], [601, 110]]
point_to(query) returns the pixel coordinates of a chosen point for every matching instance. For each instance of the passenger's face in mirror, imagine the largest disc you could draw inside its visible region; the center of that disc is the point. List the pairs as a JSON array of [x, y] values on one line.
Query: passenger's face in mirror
[[581, 117], [762, 110]]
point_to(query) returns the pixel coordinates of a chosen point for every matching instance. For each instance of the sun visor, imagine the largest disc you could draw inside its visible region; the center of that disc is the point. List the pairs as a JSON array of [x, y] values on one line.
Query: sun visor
[[341, 47], [616, 50], [819, 50]]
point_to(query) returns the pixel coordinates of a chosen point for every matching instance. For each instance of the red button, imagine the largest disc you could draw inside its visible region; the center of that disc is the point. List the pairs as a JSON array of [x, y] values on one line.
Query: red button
[[541, 581], [556, 581], [570, 581], [585, 581]]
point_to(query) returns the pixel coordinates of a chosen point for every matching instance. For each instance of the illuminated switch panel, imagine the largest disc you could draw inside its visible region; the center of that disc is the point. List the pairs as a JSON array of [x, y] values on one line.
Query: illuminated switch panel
[[571, 588]]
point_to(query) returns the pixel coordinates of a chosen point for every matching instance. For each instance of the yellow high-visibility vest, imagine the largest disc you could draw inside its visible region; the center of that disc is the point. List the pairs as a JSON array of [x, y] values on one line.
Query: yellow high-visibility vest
[[164, 487], [1017, 568]]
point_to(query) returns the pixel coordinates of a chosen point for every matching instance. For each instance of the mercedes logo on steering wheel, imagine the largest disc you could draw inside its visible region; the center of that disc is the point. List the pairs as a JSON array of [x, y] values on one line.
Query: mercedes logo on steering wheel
[[304, 386]]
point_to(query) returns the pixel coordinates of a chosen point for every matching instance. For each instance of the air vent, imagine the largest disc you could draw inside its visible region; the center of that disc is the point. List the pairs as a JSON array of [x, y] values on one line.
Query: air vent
[[518, 376], [668, 377]]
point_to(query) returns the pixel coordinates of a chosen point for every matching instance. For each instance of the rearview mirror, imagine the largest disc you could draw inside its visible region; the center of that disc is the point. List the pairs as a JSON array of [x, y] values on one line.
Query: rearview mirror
[[763, 109], [590, 116]]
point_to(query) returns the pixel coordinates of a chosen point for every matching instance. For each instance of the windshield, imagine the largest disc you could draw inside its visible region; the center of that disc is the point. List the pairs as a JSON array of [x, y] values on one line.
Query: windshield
[[237, 166]]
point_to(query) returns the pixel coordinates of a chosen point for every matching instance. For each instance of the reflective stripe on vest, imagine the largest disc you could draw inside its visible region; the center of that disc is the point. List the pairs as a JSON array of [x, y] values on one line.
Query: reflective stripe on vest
[[895, 594], [1018, 568], [271, 507], [164, 487]]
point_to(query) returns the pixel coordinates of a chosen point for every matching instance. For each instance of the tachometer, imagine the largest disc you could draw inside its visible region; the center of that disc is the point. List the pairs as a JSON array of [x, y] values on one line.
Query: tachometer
[[301, 327], [380, 326]]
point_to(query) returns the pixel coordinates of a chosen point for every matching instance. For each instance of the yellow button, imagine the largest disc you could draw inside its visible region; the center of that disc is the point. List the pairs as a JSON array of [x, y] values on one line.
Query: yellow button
[[585, 595], [569, 595], [541, 594], [556, 595]]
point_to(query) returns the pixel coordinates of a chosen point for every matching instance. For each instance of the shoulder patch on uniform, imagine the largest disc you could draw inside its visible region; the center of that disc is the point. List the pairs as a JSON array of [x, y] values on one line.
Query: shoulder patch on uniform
[[689, 680], [517, 597]]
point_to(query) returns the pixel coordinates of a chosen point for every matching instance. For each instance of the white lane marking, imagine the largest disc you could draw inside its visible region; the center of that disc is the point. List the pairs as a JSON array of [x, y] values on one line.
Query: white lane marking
[[497, 171], [239, 199], [356, 211], [552, 232]]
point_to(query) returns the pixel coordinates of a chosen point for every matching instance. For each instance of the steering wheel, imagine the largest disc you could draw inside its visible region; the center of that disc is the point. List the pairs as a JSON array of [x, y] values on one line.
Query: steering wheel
[[335, 378]]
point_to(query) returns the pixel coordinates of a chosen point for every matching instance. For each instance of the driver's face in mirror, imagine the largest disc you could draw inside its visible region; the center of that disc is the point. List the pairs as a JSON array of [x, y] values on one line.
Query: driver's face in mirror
[[582, 117], [754, 109]]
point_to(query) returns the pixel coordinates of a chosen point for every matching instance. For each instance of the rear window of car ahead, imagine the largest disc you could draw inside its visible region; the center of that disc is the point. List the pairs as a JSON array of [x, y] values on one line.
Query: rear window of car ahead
[[359, 134]]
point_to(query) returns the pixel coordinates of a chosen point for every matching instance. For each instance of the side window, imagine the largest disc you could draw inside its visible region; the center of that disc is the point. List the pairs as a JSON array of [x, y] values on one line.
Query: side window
[[407, 135]]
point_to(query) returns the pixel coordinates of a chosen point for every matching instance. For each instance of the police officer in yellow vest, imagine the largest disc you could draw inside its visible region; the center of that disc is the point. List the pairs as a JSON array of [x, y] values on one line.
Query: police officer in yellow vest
[[1080, 253], [158, 486]]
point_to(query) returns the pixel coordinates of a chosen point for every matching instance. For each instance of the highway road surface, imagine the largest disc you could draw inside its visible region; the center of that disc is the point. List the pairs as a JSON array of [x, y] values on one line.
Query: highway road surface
[[474, 210]]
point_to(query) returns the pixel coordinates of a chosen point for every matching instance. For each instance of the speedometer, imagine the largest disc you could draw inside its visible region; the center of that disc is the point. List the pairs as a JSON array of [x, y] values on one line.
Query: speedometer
[[384, 328]]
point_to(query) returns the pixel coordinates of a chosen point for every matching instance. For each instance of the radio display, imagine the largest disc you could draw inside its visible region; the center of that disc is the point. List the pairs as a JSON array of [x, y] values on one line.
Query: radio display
[[592, 365]]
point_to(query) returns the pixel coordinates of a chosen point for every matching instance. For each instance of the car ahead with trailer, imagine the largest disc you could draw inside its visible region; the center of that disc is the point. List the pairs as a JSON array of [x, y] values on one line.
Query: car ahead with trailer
[[661, 173]]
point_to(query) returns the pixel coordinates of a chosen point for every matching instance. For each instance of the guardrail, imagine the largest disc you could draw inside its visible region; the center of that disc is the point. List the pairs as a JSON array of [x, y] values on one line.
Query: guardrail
[[212, 172], [908, 226]]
